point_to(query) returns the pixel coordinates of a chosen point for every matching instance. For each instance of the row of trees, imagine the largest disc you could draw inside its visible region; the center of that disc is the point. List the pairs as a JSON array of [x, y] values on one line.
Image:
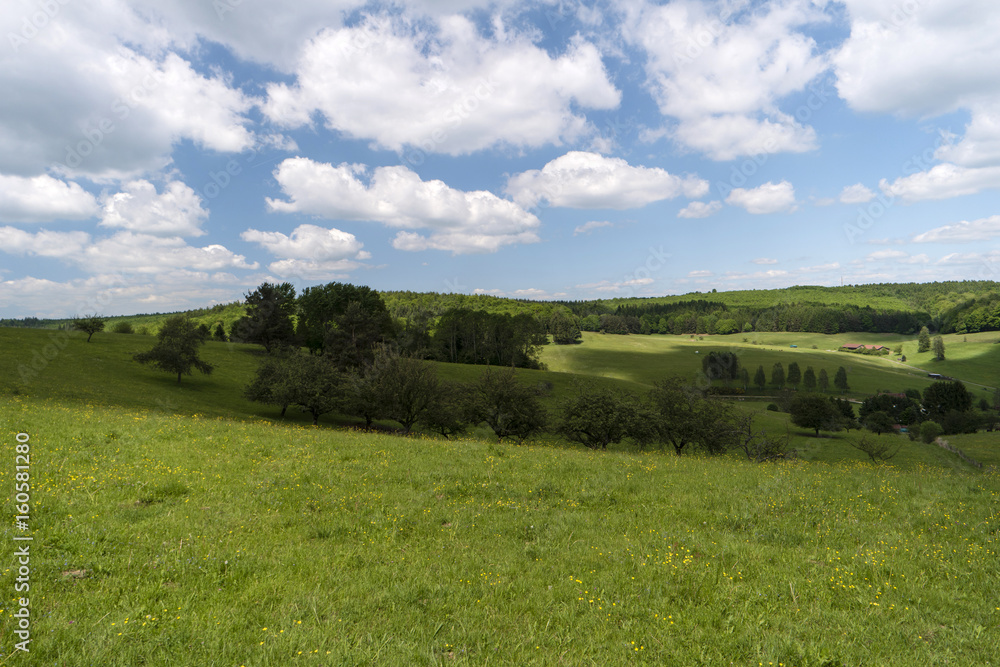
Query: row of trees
[[409, 392], [725, 366]]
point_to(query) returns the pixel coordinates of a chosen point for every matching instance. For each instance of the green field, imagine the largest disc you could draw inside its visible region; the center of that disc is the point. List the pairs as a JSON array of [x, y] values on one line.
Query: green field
[[644, 359], [176, 540], [182, 525]]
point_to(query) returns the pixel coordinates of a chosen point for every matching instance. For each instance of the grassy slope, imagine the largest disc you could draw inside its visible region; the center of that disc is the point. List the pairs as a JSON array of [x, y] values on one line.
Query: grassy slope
[[171, 540], [644, 359], [102, 373]]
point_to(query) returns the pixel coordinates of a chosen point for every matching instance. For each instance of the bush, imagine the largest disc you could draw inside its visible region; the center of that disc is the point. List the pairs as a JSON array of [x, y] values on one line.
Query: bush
[[929, 431], [773, 407], [122, 328]]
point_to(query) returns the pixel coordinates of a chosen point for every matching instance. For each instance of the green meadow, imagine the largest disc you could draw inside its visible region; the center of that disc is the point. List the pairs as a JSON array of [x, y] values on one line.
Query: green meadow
[[182, 525]]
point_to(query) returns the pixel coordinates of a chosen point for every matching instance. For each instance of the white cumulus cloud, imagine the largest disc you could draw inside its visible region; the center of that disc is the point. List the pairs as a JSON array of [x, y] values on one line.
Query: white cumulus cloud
[[43, 199], [965, 231], [177, 211], [698, 209], [310, 252], [443, 90], [768, 198], [942, 181], [588, 180], [722, 75], [458, 221], [856, 194]]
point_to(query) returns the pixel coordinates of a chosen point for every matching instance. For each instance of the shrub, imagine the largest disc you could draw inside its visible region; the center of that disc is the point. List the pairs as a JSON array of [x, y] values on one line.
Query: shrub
[[929, 431], [773, 407], [122, 328]]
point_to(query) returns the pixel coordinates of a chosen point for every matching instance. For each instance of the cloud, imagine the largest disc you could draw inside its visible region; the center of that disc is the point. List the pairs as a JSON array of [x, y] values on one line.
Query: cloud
[[608, 286], [700, 274], [459, 221], [697, 209], [588, 180], [898, 256], [721, 77], [764, 260], [942, 181], [143, 253], [983, 229], [124, 251], [95, 108], [43, 199], [768, 198], [924, 59], [444, 89], [310, 252], [988, 262], [856, 194], [115, 293], [138, 207], [919, 58], [588, 227], [43, 243]]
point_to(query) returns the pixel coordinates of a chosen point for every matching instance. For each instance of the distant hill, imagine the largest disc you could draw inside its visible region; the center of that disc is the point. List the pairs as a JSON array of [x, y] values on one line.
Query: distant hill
[[902, 308]]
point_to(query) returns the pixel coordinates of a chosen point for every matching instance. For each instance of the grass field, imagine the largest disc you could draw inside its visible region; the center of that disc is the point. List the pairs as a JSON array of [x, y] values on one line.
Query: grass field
[[182, 525], [177, 540], [644, 359]]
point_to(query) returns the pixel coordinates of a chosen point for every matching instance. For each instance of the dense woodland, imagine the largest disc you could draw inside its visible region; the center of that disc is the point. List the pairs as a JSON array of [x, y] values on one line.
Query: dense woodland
[[943, 307]]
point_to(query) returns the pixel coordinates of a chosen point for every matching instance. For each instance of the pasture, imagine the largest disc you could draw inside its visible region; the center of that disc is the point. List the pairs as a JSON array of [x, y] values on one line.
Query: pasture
[[178, 540], [180, 524]]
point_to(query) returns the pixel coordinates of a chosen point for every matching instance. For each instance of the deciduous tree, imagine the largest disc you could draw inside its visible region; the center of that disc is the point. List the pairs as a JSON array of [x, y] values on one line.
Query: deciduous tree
[[90, 325], [176, 349], [814, 412], [598, 417], [509, 408]]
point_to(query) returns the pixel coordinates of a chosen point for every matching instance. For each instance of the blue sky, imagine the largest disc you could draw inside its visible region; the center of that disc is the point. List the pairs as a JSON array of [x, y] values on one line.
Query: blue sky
[[164, 156]]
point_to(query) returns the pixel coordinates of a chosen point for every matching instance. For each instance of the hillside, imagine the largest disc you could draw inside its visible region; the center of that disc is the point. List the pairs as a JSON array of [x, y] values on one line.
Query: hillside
[[102, 373], [178, 540], [949, 307]]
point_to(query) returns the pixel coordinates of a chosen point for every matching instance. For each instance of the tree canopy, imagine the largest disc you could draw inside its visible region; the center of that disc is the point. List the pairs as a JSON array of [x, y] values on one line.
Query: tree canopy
[[176, 349]]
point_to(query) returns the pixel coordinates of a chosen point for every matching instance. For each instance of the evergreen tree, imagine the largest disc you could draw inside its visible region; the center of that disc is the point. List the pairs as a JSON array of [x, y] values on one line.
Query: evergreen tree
[[759, 378], [778, 375], [924, 340], [809, 379], [939, 348], [840, 380], [823, 381], [268, 320], [794, 375]]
